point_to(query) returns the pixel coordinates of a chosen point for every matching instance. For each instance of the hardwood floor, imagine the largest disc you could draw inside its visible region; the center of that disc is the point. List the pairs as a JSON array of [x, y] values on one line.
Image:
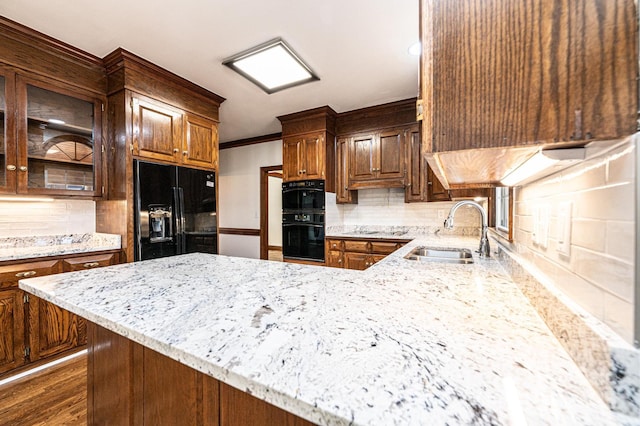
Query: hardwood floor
[[56, 395]]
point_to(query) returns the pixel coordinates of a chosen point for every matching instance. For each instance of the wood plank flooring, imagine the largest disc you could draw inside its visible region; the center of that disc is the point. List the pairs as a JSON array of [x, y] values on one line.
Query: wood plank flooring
[[54, 396]]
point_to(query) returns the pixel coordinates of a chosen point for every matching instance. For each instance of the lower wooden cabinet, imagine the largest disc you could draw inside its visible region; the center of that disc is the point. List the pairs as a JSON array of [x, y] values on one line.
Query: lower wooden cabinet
[[355, 253], [161, 391], [32, 329]]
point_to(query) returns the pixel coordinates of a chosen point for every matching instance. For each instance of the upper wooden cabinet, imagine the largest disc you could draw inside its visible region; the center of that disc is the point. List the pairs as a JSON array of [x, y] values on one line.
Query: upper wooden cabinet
[[343, 194], [308, 146], [377, 160], [163, 133], [51, 115], [510, 76], [51, 141], [303, 157], [200, 142]]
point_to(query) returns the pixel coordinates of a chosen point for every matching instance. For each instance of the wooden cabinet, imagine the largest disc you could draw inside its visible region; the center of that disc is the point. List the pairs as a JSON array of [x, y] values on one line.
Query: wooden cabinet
[[303, 157], [32, 329], [565, 75], [343, 194], [51, 140], [164, 391], [377, 160], [51, 116], [200, 146], [12, 329], [163, 133], [359, 254], [157, 130], [308, 146]]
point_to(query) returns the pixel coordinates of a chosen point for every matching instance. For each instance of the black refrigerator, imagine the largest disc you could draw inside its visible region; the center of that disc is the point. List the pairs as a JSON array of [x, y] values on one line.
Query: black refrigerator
[[174, 210]]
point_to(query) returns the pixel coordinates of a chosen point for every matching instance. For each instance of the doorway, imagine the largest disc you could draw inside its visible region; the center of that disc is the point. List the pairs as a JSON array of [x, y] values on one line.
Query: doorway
[[271, 212]]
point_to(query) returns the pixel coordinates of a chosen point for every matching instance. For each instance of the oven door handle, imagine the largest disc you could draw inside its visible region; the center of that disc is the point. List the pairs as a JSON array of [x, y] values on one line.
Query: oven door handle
[[303, 223]]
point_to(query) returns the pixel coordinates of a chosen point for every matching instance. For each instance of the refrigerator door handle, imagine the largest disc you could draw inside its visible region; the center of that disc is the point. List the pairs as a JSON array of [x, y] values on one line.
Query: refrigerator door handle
[[177, 214], [181, 236]]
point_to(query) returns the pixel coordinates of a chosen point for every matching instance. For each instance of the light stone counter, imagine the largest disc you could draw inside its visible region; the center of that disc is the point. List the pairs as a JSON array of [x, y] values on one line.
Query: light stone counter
[[402, 343], [18, 248]]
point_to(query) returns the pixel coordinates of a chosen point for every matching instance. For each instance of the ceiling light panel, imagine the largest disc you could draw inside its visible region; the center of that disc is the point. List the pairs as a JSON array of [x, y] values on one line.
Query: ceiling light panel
[[272, 66]]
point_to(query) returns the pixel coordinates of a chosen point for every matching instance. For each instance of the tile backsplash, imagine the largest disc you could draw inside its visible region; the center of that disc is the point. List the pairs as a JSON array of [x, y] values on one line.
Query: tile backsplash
[[387, 207], [21, 219], [597, 272]]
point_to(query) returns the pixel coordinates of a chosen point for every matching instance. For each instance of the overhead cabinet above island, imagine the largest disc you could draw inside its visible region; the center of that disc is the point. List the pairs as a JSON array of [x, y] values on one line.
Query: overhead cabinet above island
[[500, 80]]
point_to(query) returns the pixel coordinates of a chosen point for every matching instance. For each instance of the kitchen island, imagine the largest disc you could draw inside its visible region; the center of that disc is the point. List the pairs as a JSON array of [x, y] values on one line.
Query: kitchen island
[[401, 343]]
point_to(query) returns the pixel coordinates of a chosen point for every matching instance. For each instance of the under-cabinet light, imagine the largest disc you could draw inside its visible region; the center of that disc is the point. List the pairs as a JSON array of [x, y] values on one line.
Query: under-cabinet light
[[543, 163], [56, 121], [273, 66], [26, 199]]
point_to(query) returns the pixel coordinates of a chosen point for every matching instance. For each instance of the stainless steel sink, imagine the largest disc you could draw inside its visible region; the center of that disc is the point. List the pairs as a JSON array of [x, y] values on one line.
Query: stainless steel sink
[[440, 254]]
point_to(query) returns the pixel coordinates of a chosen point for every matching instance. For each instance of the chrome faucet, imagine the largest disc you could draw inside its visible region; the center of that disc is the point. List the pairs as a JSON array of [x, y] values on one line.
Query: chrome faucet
[[484, 250]]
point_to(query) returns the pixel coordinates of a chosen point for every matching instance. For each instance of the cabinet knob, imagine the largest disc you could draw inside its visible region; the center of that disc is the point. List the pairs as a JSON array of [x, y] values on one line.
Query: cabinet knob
[[185, 152], [304, 171], [23, 168], [91, 264], [11, 167], [175, 150], [25, 274], [339, 260]]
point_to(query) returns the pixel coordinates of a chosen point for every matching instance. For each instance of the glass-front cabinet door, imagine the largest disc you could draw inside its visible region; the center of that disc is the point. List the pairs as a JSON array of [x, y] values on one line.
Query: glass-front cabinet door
[[58, 140], [8, 166]]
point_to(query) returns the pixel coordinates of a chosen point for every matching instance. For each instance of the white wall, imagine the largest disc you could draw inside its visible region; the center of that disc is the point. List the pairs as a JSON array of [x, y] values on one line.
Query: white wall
[[239, 194], [59, 217], [275, 211], [598, 274]]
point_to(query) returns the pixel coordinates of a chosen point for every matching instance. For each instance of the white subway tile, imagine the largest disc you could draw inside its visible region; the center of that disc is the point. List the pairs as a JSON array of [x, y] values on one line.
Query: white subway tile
[[606, 272], [618, 314], [589, 233], [621, 240]]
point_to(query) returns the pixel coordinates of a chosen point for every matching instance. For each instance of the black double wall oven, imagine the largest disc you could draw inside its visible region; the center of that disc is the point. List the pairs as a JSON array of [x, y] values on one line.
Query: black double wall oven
[[303, 220]]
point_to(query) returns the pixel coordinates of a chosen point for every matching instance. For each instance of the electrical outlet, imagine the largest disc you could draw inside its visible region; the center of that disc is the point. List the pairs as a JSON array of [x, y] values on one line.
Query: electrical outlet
[[564, 228], [541, 225]]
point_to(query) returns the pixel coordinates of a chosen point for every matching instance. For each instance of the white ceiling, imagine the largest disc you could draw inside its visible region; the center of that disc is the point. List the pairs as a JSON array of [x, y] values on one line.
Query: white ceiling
[[358, 48]]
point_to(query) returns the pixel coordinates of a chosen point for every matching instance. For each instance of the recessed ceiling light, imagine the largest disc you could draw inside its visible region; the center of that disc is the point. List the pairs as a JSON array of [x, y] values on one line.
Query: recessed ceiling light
[[415, 49], [273, 66]]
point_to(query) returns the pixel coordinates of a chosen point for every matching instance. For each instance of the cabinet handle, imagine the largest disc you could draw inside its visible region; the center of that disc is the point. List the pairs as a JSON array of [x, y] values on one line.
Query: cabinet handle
[[23, 168], [11, 167], [91, 264], [25, 274], [175, 150], [185, 152]]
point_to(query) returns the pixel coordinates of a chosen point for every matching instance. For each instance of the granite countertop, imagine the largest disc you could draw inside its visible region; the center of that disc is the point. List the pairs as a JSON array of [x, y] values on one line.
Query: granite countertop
[[401, 343], [19, 248]]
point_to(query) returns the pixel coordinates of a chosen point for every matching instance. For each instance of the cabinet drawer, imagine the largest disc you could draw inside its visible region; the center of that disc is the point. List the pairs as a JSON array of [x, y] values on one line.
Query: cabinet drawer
[[89, 262], [383, 247], [335, 244], [9, 275], [357, 246]]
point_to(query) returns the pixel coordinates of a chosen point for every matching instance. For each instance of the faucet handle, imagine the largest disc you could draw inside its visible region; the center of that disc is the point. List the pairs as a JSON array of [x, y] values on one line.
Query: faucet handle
[[448, 223]]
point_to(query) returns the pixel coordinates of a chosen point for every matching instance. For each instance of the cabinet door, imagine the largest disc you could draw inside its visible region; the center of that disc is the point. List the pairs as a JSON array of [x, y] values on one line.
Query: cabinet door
[[415, 188], [52, 329], [58, 139], [291, 159], [361, 159], [11, 329], [313, 157], [8, 160], [200, 146], [334, 259], [435, 190], [157, 130], [390, 155], [375, 258], [343, 194], [358, 261]]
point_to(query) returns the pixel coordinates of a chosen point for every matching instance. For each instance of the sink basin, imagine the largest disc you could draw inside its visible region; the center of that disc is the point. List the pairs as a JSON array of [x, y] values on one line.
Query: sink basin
[[440, 254]]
